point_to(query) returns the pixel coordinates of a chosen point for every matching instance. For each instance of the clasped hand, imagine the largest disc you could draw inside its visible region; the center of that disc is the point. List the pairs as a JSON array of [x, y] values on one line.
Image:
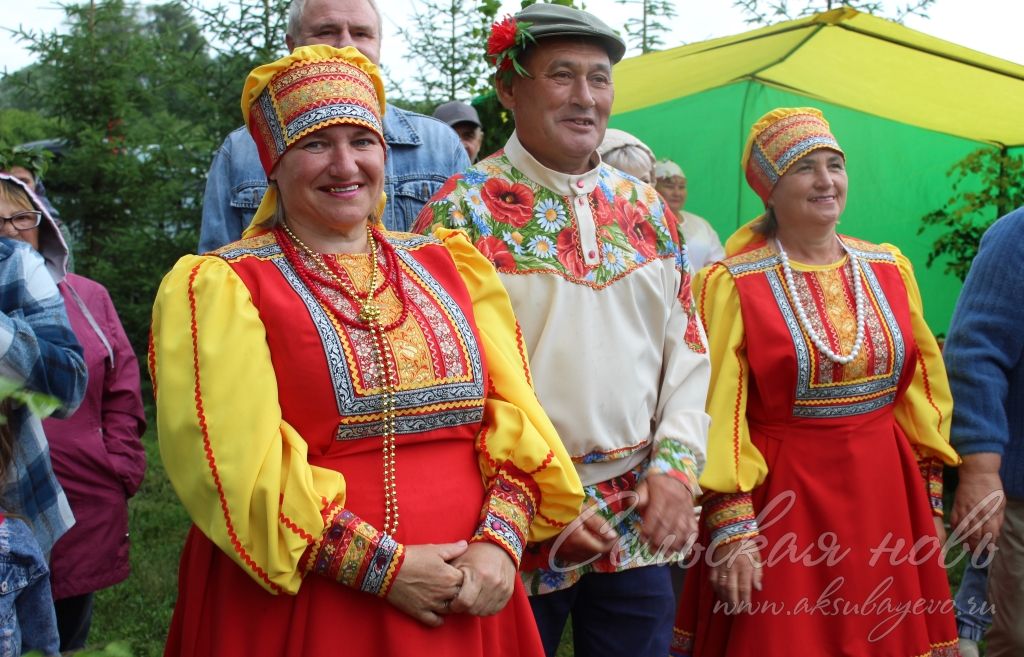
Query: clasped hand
[[436, 580], [669, 524]]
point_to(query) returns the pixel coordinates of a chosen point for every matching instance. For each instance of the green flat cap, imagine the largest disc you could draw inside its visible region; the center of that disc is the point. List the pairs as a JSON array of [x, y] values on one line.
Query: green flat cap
[[547, 20]]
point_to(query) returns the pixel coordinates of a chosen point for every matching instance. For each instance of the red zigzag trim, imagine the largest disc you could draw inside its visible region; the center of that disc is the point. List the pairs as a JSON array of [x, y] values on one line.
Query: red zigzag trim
[[201, 415]]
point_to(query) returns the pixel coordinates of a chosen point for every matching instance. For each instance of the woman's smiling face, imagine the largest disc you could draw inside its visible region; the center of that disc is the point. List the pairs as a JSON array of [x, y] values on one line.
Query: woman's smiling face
[[332, 179], [812, 191]]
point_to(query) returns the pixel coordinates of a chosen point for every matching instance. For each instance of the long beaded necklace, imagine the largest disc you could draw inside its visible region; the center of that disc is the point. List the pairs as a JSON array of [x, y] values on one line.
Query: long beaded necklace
[[370, 314], [856, 269]]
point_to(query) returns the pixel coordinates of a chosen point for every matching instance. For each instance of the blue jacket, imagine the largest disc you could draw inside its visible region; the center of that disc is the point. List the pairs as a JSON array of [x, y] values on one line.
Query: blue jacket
[[984, 353], [422, 153], [27, 618]]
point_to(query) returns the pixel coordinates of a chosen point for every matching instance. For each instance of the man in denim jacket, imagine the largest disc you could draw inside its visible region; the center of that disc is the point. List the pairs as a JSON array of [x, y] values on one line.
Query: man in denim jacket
[[422, 152]]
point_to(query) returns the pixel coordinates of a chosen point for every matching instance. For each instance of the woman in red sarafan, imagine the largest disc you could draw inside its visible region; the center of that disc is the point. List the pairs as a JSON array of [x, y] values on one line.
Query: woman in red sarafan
[[821, 526], [346, 412]]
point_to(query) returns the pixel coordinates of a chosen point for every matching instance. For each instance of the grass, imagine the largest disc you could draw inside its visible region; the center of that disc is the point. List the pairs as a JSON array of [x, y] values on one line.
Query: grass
[[138, 611]]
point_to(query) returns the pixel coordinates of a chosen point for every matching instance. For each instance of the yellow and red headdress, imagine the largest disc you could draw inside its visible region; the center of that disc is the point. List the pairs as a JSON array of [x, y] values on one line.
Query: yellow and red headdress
[[309, 89], [780, 138]]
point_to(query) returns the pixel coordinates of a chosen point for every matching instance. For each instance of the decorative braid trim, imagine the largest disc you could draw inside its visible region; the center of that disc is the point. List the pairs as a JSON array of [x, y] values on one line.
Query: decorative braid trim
[[354, 553], [730, 517], [944, 649], [682, 643], [931, 472], [507, 513], [211, 460]]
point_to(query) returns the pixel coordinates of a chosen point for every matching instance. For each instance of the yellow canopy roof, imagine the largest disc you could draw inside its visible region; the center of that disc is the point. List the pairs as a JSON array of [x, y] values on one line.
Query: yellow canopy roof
[[849, 59]]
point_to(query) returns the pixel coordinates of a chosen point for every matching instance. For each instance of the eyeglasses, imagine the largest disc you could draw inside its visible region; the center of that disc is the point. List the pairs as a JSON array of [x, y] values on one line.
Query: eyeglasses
[[26, 220]]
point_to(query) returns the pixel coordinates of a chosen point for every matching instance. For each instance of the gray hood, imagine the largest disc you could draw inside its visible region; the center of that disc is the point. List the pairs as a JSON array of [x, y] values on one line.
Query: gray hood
[[52, 246]]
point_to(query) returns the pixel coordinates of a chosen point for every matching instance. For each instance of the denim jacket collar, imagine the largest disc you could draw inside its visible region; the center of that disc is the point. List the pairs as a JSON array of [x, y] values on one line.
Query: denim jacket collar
[[398, 129]]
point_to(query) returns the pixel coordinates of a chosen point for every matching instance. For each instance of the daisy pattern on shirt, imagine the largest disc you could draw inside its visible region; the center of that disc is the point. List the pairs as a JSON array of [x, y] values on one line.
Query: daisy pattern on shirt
[[515, 240], [542, 247], [550, 214], [458, 218], [613, 259]]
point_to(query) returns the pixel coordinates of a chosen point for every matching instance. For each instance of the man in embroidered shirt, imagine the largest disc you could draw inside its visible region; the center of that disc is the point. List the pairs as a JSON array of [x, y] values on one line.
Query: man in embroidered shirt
[[597, 276], [421, 151]]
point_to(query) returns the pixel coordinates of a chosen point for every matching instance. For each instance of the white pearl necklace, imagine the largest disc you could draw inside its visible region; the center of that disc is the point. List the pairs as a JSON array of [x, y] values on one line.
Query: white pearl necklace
[[858, 292]]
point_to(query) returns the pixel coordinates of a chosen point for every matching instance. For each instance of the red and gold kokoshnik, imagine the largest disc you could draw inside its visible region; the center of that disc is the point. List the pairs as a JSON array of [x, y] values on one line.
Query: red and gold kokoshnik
[[780, 138], [312, 88]]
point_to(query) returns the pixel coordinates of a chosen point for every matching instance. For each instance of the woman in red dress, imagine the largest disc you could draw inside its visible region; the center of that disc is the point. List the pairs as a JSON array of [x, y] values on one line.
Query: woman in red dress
[[346, 412], [822, 526]]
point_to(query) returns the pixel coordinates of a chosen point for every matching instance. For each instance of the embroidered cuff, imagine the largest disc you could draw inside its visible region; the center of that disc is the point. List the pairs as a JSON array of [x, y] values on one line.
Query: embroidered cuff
[[354, 553], [675, 459], [730, 517], [507, 513], [931, 472]]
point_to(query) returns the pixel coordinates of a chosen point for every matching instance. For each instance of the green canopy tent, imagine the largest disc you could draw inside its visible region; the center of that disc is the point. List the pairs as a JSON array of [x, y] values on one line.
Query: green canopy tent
[[904, 105]]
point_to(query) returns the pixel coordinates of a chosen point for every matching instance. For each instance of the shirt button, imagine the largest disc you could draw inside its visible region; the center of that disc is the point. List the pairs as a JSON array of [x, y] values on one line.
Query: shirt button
[[579, 183], [591, 254], [579, 200]]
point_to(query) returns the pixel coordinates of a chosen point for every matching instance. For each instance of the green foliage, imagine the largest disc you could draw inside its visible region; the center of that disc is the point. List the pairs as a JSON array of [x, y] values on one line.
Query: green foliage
[[766, 12], [38, 404], [131, 98], [18, 126], [645, 32], [449, 40], [138, 610], [497, 120], [987, 184], [116, 649], [36, 160], [242, 35]]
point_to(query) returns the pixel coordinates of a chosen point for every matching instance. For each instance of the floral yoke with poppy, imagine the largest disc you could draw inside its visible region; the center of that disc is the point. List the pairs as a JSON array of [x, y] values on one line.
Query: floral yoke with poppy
[[525, 228]]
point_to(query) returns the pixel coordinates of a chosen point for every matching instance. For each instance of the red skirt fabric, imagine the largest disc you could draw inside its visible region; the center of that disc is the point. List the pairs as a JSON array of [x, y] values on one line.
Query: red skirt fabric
[[222, 612], [851, 561]]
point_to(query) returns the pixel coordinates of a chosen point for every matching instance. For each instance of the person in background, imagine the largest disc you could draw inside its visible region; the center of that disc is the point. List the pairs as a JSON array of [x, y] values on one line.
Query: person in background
[[27, 621], [598, 278], [830, 410], [96, 453], [372, 491], [421, 153], [985, 355], [702, 243], [28, 165], [38, 352], [628, 154], [464, 120]]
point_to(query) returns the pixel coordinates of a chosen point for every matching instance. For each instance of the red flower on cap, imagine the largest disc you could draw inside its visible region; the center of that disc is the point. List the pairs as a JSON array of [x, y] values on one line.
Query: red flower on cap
[[503, 36], [510, 203], [506, 42]]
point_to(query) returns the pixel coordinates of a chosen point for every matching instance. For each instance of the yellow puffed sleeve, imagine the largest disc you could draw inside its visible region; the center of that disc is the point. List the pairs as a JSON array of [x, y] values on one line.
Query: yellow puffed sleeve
[[733, 463], [925, 411], [519, 448], [239, 469]]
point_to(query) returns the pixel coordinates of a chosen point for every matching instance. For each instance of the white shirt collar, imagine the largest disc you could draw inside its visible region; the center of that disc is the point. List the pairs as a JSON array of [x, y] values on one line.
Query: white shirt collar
[[563, 184]]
